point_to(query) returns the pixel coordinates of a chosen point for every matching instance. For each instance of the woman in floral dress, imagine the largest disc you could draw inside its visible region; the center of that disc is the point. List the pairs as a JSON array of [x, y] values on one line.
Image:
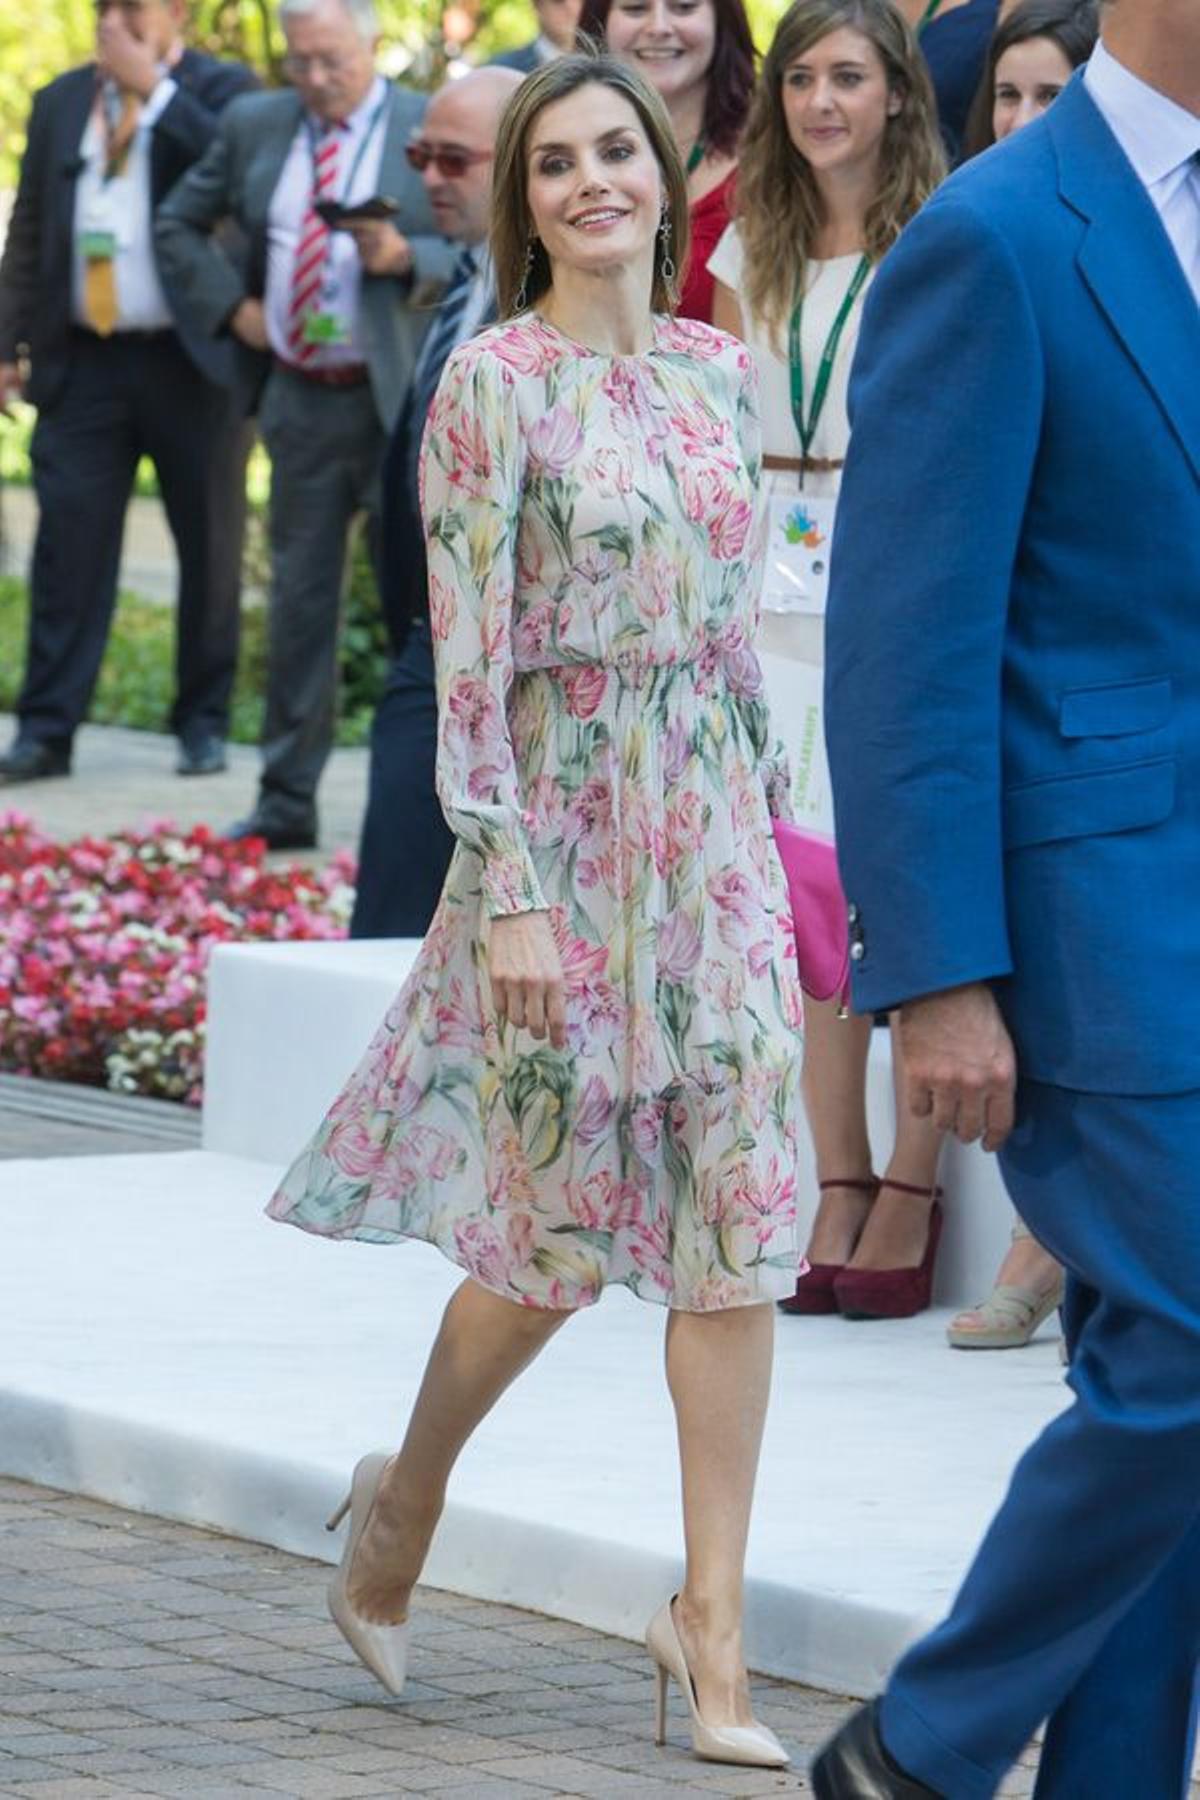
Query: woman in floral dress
[[592, 1074]]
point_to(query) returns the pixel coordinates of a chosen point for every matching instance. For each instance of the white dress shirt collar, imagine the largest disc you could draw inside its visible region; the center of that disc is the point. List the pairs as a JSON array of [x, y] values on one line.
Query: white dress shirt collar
[[360, 119], [1157, 135]]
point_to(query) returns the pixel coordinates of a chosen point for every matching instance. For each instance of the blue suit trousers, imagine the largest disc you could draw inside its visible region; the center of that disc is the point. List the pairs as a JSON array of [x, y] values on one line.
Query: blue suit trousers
[[1083, 1604], [406, 844]]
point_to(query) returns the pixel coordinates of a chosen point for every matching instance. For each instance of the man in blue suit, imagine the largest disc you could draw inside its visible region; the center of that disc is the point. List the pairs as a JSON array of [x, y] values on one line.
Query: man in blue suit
[[1013, 700]]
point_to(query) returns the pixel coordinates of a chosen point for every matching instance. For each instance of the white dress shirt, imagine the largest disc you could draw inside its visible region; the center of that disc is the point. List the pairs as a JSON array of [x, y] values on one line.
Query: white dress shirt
[[361, 141], [1162, 141], [123, 206]]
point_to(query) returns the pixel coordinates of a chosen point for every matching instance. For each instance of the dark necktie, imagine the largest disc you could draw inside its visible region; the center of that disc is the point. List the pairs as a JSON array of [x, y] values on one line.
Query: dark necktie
[[444, 334]]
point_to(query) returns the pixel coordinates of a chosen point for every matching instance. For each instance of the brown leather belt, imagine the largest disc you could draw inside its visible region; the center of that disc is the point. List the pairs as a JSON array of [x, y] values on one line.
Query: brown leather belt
[[807, 465], [342, 375]]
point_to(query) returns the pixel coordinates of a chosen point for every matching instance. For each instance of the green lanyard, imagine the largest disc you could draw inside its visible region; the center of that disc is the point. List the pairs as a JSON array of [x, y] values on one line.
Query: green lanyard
[[807, 428], [927, 15], [696, 155]]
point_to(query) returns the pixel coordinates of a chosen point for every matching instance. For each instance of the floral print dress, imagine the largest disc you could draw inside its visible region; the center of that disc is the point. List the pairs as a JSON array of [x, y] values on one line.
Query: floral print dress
[[604, 753]]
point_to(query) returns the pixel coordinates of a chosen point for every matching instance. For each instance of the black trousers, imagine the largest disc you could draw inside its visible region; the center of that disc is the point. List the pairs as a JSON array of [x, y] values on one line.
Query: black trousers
[[127, 396], [406, 843]]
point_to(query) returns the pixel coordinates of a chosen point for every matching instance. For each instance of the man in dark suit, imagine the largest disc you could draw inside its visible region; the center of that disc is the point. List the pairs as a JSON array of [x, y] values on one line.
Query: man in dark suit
[[557, 22], [406, 843], [1013, 699], [114, 377], [327, 322]]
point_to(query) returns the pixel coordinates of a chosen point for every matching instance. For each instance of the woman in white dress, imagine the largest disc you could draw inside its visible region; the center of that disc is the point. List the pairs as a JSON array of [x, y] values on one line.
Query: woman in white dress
[[841, 149]]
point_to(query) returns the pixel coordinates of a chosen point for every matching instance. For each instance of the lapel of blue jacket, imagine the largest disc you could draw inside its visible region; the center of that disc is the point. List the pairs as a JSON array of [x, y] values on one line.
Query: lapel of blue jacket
[[1129, 263]]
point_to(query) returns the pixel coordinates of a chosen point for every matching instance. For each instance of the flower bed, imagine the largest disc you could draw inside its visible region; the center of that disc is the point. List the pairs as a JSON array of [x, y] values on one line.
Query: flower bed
[[104, 944]]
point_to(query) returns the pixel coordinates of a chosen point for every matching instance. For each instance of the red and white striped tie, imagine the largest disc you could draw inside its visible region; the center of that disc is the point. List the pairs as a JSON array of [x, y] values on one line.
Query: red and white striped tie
[[308, 271]]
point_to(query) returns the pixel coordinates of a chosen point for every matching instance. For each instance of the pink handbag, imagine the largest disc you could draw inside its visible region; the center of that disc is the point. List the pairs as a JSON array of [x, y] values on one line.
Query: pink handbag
[[818, 910]]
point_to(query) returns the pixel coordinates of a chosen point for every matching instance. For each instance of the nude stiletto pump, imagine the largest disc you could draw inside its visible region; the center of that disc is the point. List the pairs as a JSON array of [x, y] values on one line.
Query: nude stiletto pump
[[753, 1746], [382, 1648]]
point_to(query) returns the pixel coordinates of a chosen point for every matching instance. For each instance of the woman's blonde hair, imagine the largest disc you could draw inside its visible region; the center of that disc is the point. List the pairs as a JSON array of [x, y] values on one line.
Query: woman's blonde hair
[[521, 264], [779, 209]]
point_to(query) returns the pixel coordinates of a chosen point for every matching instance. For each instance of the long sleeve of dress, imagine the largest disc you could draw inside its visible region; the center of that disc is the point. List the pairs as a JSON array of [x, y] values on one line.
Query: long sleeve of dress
[[742, 667], [472, 463]]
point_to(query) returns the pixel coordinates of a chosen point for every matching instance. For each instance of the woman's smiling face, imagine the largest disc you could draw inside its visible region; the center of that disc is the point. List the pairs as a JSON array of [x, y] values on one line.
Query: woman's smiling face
[[669, 42], [594, 186]]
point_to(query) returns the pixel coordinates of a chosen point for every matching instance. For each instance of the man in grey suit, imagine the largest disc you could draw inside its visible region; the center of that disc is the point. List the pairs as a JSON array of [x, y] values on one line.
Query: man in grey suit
[[328, 318]]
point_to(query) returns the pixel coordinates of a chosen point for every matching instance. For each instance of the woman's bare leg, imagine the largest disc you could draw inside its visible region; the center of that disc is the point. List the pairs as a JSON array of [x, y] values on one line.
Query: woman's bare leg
[[895, 1235], [483, 1344], [835, 1084], [719, 1374]]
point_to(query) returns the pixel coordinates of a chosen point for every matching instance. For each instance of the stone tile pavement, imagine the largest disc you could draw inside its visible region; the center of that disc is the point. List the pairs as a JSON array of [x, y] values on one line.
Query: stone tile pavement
[[123, 778], [140, 1657]]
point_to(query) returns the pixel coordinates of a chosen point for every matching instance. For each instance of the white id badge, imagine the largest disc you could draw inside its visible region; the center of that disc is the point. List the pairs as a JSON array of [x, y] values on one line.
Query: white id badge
[[796, 579]]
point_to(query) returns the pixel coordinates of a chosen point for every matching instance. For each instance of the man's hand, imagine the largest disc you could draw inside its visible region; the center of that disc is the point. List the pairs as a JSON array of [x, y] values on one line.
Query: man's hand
[[382, 249], [249, 325], [959, 1065], [131, 63], [11, 387], [526, 976]]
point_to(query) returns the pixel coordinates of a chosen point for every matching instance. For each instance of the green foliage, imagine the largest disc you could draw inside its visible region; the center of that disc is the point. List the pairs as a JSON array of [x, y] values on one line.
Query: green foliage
[[137, 678]]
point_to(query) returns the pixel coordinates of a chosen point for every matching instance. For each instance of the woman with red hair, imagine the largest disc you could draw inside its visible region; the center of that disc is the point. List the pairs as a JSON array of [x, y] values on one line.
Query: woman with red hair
[[699, 54]]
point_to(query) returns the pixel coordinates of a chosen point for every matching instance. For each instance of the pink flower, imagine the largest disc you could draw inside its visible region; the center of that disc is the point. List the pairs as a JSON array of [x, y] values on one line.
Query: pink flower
[[475, 735], [706, 492], [532, 633], [458, 1025], [704, 436], [676, 747], [521, 350], [588, 821], [679, 946], [482, 1253], [519, 1231], [656, 586], [739, 905], [443, 609], [585, 688], [728, 532], [555, 442], [466, 435], [594, 1111], [601, 1203], [645, 1127]]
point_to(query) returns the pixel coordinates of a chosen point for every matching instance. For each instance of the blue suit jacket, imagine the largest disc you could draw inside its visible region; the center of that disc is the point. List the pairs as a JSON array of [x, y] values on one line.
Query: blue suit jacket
[[1013, 669]]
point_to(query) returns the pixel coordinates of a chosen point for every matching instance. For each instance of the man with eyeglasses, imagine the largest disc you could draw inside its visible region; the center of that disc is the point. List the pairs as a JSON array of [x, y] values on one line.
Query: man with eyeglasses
[[92, 335], [327, 318], [406, 844]]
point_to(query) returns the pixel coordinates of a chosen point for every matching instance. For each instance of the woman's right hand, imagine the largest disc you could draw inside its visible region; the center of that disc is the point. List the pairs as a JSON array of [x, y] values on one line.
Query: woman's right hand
[[526, 975]]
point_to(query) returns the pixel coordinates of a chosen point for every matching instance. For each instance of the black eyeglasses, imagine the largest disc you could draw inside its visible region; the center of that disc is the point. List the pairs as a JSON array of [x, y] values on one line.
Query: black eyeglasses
[[450, 160]]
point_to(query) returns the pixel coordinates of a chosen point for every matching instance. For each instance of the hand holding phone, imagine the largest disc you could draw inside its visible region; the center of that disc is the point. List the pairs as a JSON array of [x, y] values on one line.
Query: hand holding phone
[[340, 216]]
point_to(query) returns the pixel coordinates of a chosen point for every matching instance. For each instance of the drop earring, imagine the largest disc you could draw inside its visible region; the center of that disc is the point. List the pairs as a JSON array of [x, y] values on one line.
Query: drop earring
[[522, 299], [666, 263]]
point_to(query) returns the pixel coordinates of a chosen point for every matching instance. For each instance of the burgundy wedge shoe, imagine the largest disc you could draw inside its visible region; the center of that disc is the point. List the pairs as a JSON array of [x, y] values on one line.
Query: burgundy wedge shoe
[[815, 1289], [893, 1293]]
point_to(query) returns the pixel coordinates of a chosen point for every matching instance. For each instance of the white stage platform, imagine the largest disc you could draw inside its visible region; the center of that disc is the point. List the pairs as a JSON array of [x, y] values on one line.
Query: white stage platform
[[166, 1347]]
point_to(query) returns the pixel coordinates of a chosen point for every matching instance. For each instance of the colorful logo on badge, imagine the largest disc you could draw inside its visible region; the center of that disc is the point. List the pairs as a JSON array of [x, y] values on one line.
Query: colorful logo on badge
[[801, 528]]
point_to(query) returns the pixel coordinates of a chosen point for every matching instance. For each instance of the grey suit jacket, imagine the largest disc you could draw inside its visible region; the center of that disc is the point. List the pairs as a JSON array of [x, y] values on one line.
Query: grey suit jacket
[[236, 179]]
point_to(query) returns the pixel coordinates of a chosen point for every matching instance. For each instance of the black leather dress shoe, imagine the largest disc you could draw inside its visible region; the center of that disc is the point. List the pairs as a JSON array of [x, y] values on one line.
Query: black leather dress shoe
[[201, 756], [855, 1766], [31, 760], [298, 834]]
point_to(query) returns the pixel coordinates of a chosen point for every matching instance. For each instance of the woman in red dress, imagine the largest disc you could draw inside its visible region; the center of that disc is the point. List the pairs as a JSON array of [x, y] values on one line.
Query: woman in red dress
[[700, 56]]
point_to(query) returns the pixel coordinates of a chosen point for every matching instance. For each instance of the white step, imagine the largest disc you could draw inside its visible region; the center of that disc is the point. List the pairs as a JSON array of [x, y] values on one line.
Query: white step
[[288, 1022], [166, 1347]]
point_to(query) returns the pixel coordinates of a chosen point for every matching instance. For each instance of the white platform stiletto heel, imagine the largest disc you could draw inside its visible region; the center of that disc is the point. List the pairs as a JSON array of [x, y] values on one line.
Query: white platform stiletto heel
[[754, 1746], [382, 1648]]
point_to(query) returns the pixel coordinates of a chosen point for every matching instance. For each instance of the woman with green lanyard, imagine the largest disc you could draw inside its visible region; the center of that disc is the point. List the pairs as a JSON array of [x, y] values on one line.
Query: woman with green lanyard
[[840, 150]]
